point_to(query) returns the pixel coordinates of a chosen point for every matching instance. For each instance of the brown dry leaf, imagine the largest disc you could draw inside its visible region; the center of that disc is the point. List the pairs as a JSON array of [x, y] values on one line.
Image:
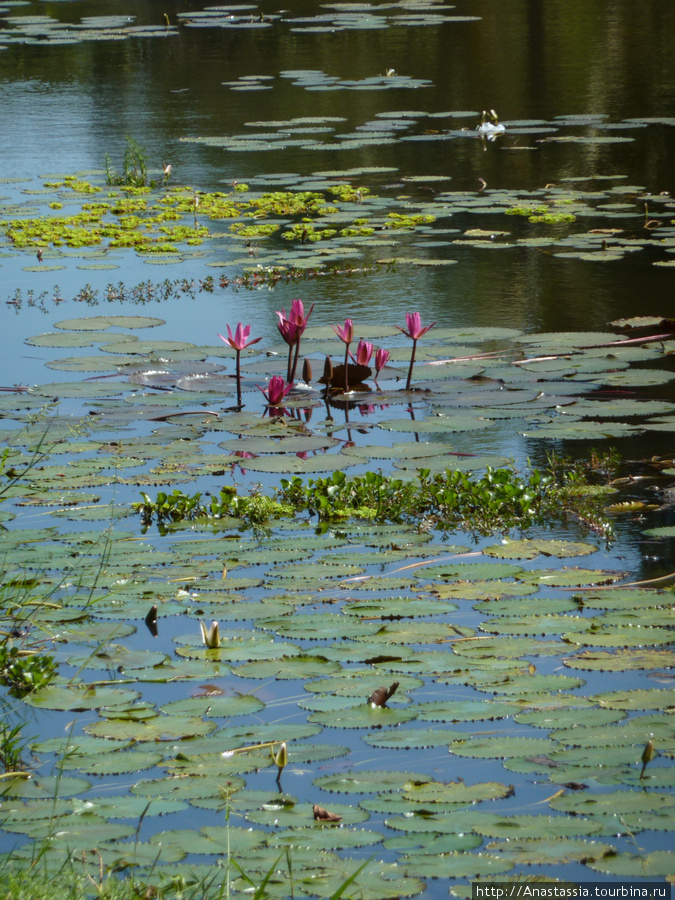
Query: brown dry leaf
[[322, 815]]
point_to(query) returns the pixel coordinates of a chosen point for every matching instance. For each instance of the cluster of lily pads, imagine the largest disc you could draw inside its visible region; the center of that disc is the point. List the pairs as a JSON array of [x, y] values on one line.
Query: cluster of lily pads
[[317, 622]]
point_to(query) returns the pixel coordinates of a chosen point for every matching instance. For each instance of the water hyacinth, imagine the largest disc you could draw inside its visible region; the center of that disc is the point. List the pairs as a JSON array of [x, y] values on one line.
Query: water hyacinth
[[415, 330]]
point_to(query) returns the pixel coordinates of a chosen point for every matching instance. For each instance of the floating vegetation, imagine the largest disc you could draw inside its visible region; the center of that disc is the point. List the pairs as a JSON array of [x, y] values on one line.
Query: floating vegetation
[[338, 227]]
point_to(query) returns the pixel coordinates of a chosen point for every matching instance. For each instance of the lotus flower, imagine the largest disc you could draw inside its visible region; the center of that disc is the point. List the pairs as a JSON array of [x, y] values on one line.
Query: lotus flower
[[291, 327], [276, 390], [414, 331], [239, 341], [346, 334]]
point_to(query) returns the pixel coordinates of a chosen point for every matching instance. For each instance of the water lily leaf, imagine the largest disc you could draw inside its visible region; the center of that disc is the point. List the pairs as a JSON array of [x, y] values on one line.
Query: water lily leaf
[[636, 731], [78, 832], [457, 792], [161, 728], [501, 747], [300, 815], [186, 787], [295, 465], [317, 626], [286, 669], [552, 719], [412, 738], [512, 606], [100, 323], [369, 781], [122, 762], [76, 698], [483, 590], [566, 577], [519, 827], [365, 715], [473, 571], [359, 683], [507, 647], [455, 865], [583, 430], [212, 839], [311, 838], [214, 707], [465, 710], [658, 863], [396, 608], [621, 660], [535, 624], [531, 548], [609, 636], [547, 851], [436, 424], [615, 803], [44, 787]]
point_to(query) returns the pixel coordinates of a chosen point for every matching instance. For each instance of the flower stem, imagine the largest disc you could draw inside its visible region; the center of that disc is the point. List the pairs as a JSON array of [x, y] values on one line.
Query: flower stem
[[412, 363], [238, 376], [346, 389], [291, 371]]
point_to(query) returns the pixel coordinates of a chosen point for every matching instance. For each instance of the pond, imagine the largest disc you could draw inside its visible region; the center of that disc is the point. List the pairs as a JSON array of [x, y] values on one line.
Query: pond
[[351, 154]]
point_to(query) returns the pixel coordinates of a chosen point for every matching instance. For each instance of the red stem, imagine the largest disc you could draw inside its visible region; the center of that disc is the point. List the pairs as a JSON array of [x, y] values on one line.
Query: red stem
[[412, 363]]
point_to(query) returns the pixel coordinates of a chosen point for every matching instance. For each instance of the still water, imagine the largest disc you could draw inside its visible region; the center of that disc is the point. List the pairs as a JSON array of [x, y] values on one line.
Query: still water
[[286, 98]]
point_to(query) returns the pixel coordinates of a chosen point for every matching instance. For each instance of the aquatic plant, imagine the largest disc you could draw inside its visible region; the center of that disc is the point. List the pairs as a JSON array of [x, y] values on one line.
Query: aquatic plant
[[346, 334], [276, 390], [382, 357], [134, 165], [292, 327], [364, 352], [414, 331], [239, 341]]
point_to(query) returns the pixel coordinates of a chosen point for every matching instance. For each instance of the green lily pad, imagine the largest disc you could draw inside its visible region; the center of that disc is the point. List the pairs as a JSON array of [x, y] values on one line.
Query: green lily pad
[[369, 781], [100, 323], [530, 549]]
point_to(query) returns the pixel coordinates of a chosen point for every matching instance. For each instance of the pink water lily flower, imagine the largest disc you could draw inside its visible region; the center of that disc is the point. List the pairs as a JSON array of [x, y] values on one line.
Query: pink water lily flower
[[291, 328], [364, 353], [414, 331], [381, 359], [346, 334], [289, 331], [276, 390], [239, 341]]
